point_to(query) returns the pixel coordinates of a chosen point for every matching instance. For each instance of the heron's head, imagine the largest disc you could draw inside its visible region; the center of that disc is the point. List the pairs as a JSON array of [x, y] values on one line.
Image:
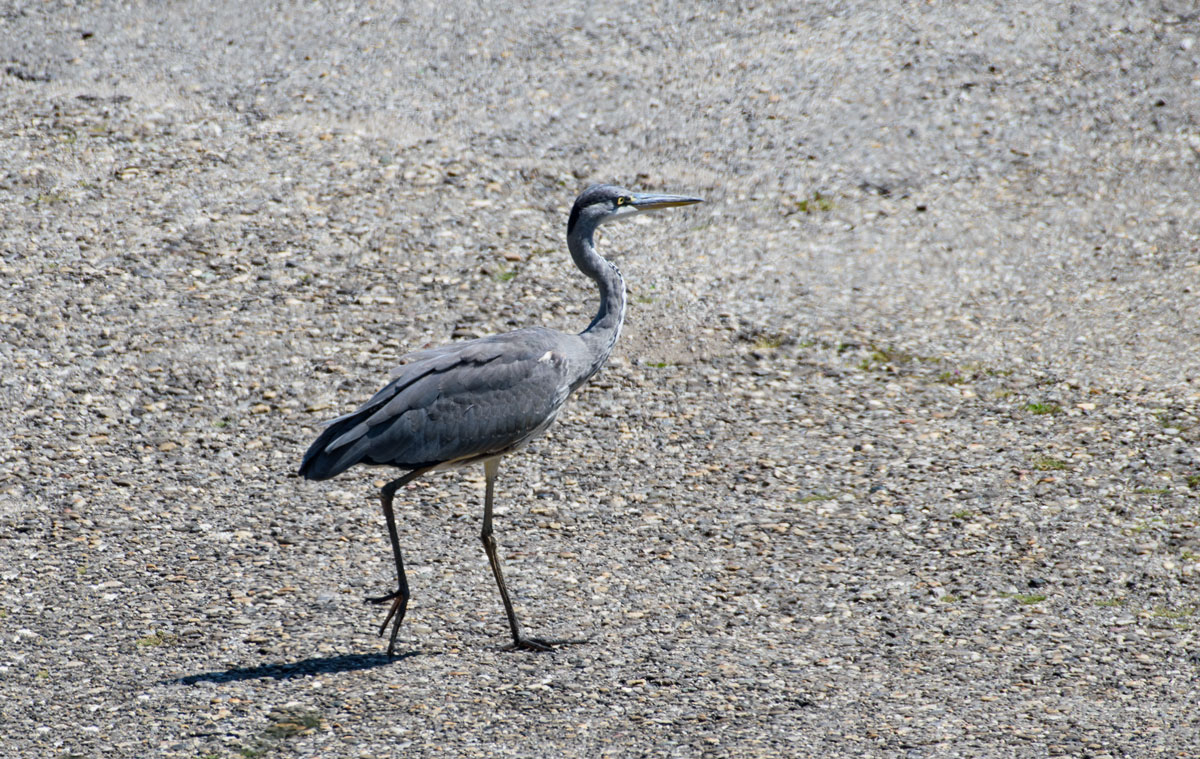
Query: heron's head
[[602, 203]]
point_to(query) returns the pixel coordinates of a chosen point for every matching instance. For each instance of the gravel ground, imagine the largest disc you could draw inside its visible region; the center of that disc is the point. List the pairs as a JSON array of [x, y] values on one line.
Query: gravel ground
[[899, 454]]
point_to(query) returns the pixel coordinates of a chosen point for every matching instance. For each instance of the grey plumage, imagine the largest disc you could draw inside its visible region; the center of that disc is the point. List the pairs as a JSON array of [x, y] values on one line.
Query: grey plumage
[[441, 406], [476, 400]]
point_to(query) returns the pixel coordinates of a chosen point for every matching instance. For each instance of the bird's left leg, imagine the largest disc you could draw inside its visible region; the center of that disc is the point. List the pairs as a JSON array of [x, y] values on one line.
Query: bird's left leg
[[490, 469], [400, 597]]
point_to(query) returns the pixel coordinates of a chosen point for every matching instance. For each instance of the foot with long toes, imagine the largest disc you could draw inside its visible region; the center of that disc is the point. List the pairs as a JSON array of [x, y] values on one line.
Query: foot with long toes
[[399, 599], [384, 599], [539, 644]]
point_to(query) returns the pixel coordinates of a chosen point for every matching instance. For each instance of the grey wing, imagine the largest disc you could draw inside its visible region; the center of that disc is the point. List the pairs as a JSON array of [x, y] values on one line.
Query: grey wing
[[415, 364], [462, 402]]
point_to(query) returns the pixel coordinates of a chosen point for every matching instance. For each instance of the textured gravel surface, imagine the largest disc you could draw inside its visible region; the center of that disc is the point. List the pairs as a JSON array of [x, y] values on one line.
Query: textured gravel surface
[[899, 454]]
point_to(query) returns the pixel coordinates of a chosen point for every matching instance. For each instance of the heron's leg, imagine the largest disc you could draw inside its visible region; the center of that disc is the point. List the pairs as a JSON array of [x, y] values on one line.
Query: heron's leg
[[490, 468], [400, 597]]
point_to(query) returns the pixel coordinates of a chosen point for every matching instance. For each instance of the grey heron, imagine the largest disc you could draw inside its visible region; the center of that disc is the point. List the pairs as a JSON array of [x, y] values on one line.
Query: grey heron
[[476, 400]]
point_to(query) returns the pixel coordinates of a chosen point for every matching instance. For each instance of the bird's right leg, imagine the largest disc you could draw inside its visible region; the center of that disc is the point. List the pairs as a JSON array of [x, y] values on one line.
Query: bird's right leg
[[520, 642], [400, 597]]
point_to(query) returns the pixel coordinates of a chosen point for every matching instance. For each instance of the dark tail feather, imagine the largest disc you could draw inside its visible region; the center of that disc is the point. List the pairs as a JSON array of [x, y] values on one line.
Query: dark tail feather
[[321, 464]]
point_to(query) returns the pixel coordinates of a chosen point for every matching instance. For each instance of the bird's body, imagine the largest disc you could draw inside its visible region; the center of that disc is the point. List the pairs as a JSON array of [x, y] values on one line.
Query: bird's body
[[476, 400], [527, 372]]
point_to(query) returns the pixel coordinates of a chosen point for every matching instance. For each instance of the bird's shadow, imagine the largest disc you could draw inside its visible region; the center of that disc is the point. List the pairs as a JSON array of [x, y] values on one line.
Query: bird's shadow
[[320, 665]]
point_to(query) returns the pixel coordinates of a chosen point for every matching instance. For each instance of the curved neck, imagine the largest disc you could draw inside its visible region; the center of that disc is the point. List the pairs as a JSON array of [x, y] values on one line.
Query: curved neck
[[601, 335]]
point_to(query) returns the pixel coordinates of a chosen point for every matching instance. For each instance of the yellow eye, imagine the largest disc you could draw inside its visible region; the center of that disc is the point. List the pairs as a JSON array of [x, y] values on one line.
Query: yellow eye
[[624, 200]]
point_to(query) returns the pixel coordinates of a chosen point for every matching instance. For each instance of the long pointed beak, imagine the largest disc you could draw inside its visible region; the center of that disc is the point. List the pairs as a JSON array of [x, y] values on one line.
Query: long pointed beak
[[652, 202]]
